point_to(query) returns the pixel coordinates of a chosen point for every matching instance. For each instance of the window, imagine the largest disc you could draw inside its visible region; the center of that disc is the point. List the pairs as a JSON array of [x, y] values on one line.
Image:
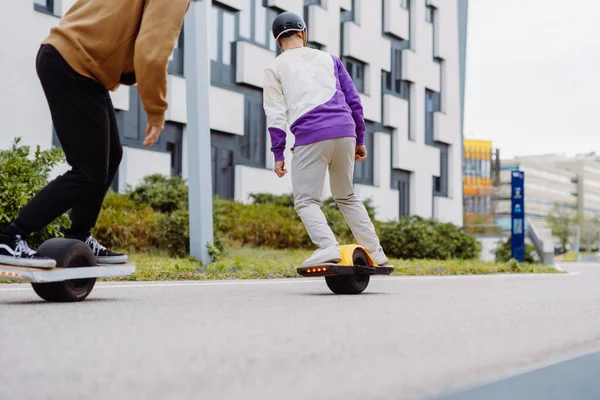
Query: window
[[352, 15], [430, 14], [405, 3], [356, 69], [255, 24], [432, 104], [223, 165], [392, 80], [363, 171], [176, 64], [401, 182], [440, 184], [222, 69], [46, 6], [253, 143], [223, 35]]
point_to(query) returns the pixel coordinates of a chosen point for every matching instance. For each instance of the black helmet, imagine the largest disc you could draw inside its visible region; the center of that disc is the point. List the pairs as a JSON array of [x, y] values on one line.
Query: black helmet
[[286, 22]]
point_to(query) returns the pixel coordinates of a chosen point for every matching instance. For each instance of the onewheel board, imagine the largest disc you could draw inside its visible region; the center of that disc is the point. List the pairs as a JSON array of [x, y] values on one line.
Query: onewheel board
[[337, 269], [39, 275]]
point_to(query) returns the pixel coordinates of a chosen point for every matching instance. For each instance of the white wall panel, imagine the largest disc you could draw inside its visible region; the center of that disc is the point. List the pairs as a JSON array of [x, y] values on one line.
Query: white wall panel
[[237, 4], [396, 19], [120, 98], [395, 112], [176, 96], [252, 61], [295, 6], [226, 111], [138, 163]]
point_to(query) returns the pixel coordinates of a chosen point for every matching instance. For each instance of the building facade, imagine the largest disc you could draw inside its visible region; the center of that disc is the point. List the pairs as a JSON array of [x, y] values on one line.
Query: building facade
[[406, 58], [572, 182], [481, 168]]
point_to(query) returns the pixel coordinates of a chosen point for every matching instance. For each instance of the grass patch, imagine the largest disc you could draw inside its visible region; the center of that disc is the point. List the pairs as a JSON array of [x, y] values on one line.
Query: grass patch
[[262, 263]]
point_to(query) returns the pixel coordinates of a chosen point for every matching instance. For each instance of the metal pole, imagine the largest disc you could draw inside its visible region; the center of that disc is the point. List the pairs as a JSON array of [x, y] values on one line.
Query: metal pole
[[197, 73], [577, 241]]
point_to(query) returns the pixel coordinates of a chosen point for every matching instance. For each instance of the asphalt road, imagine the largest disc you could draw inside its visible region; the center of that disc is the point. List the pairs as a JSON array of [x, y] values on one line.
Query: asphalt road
[[405, 338]]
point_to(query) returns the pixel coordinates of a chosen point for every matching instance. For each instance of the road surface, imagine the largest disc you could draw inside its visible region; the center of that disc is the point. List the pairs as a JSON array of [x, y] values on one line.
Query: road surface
[[405, 338]]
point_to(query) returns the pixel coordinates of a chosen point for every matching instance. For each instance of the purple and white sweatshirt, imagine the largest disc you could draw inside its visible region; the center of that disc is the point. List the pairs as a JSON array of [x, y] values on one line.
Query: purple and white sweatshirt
[[311, 92]]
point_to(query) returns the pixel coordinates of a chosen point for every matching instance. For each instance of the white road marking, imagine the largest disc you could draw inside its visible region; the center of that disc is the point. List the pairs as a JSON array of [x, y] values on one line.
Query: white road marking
[[302, 281]]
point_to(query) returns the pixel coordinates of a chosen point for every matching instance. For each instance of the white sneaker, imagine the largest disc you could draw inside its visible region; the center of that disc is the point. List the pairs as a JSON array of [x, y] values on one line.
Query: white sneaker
[[324, 256], [379, 258]]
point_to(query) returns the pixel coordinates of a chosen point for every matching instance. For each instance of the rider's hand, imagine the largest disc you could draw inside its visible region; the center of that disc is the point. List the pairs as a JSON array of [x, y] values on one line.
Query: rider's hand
[[152, 134], [360, 153], [280, 168]]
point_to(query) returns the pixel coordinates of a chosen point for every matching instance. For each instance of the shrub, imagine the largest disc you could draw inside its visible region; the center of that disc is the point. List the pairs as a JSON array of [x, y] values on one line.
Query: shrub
[[417, 238], [265, 225], [161, 193], [173, 232], [123, 224], [23, 174], [330, 209], [503, 251], [285, 200]]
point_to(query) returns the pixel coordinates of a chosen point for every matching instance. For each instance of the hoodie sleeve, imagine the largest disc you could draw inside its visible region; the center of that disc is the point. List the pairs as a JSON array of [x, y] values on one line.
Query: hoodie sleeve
[[275, 108], [161, 25], [353, 100]]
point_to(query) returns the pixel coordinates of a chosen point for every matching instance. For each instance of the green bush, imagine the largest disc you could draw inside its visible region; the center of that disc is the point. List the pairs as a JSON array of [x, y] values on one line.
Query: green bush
[[503, 251], [285, 200], [173, 232], [330, 209], [23, 174], [265, 225], [161, 193], [414, 237], [123, 224]]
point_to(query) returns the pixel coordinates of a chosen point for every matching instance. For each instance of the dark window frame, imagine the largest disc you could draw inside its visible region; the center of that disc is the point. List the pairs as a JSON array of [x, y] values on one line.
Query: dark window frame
[[269, 40], [364, 171], [221, 73], [392, 81], [176, 66], [223, 145], [440, 184], [401, 182], [350, 15], [255, 134], [357, 70], [432, 105], [47, 9], [430, 12]]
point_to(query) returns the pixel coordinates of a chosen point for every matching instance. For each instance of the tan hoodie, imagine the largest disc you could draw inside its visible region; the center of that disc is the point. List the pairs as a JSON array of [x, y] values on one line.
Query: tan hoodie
[[117, 41]]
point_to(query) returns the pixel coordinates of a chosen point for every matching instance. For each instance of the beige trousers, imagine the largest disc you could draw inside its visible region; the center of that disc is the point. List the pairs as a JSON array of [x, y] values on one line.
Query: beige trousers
[[309, 167]]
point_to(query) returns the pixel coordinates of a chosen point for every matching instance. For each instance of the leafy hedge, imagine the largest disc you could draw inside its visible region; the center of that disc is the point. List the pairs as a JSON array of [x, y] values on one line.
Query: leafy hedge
[[503, 251], [23, 173], [414, 237]]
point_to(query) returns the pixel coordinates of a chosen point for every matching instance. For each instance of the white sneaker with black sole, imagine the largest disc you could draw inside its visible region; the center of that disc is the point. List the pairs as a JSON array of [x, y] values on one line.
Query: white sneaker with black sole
[[16, 252], [379, 258], [324, 256], [103, 255]]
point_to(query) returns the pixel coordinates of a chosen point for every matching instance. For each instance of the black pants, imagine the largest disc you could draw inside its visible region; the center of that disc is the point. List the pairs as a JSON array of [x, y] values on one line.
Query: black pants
[[85, 123]]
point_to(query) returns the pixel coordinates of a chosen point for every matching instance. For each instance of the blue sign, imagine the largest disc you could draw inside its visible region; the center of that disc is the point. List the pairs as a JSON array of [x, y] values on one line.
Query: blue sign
[[517, 199]]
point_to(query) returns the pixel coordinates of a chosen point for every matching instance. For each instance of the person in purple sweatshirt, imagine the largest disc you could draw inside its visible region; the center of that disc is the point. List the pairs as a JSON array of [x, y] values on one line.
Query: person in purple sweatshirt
[[311, 92]]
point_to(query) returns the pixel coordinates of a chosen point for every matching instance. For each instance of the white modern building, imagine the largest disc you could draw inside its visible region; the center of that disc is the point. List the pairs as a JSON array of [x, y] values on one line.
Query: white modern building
[[406, 58], [572, 182]]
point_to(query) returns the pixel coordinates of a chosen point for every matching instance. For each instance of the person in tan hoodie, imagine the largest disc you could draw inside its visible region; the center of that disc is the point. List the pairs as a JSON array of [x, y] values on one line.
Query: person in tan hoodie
[[99, 45]]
